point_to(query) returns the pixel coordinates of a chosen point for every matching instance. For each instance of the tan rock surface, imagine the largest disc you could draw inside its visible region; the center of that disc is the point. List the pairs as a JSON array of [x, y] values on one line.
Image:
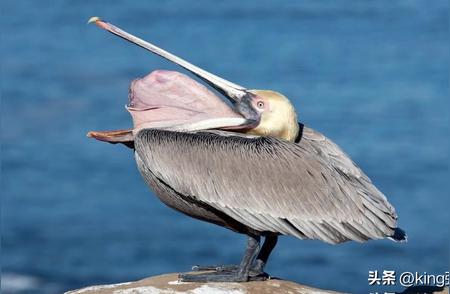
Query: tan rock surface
[[168, 284]]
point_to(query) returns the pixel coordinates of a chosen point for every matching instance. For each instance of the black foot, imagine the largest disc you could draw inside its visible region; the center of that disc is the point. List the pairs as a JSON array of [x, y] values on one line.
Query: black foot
[[229, 276], [255, 271], [217, 268], [251, 267]]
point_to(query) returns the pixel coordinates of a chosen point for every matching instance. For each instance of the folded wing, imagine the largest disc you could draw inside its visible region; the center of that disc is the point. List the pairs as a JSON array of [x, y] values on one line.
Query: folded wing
[[309, 189]]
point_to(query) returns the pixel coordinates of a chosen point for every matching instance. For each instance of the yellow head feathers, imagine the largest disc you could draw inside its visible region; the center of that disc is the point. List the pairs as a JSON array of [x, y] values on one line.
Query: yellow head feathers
[[278, 119]]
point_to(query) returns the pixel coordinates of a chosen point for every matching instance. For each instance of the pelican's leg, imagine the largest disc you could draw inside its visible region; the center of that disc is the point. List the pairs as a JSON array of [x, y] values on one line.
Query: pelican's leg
[[257, 268], [239, 274], [261, 260]]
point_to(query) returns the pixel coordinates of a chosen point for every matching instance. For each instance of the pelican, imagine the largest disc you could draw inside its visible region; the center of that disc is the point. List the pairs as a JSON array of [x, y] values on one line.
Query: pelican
[[250, 167]]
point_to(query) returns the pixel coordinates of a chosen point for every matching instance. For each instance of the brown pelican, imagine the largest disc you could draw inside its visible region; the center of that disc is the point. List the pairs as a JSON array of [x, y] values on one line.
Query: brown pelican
[[251, 168]]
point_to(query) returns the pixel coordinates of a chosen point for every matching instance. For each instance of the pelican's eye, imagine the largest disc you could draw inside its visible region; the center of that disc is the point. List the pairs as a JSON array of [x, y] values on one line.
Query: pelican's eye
[[260, 104]]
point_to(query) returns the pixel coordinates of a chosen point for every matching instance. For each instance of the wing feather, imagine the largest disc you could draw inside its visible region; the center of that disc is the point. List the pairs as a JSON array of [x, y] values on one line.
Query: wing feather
[[310, 189]]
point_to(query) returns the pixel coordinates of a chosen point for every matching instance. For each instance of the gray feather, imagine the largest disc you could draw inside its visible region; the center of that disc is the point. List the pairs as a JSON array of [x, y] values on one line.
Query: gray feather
[[310, 189]]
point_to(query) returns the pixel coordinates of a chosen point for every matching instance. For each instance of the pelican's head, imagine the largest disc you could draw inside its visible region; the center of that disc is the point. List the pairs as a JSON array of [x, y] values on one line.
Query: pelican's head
[[171, 100], [277, 116]]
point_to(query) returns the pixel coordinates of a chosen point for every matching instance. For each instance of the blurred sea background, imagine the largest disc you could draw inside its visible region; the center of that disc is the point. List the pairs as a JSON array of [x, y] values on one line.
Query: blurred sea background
[[371, 75]]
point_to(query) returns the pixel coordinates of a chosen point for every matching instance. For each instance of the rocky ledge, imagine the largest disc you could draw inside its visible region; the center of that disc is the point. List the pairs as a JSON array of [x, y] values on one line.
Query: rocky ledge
[[169, 284]]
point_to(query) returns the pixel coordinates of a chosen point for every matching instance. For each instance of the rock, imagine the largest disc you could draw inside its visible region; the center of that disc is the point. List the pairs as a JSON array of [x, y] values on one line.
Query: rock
[[169, 284]]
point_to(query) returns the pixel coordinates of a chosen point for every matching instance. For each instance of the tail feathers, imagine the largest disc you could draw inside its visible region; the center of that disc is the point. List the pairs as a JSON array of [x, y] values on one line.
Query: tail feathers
[[399, 236]]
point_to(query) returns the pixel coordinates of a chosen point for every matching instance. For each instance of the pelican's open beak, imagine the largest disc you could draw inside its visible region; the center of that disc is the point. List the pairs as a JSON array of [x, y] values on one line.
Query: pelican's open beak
[[147, 94]]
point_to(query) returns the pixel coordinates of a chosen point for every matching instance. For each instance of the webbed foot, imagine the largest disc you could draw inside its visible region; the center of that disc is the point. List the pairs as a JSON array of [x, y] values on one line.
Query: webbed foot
[[221, 276]]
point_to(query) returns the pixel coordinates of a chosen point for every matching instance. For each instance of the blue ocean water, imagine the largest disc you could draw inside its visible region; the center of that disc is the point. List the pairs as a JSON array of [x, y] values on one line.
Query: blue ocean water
[[371, 75]]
